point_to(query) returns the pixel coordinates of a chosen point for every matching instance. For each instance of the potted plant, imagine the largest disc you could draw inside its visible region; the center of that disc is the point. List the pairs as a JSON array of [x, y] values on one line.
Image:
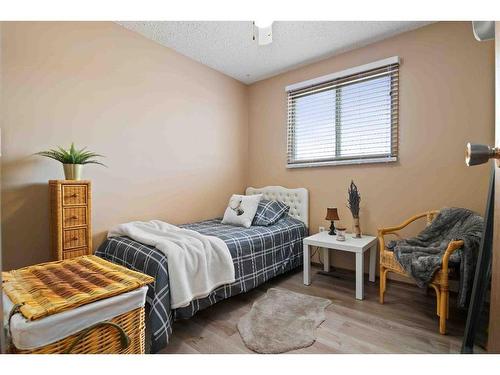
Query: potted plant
[[72, 160]]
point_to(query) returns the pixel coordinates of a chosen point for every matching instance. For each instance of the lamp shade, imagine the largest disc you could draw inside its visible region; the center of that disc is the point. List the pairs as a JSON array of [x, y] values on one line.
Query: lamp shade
[[478, 154], [331, 214]]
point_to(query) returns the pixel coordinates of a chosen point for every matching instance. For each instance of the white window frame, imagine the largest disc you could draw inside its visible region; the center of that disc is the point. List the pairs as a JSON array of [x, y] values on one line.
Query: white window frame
[[330, 77]]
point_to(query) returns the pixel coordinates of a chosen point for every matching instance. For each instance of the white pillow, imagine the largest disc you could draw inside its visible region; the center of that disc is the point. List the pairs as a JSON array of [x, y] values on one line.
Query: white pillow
[[241, 210]]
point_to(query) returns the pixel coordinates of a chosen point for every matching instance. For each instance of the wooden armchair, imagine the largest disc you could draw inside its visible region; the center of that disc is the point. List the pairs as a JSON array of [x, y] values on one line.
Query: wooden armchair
[[439, 283]]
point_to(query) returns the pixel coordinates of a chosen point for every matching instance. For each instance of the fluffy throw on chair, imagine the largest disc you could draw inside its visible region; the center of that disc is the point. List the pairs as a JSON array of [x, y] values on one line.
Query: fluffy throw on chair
[[422, 256]]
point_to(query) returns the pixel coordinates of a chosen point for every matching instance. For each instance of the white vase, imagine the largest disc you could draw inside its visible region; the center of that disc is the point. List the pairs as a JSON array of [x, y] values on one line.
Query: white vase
[[357, 228]]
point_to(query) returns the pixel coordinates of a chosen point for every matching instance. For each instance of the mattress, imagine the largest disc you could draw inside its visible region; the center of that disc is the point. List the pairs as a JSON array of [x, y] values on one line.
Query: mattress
[[259, 254], [33, 334]]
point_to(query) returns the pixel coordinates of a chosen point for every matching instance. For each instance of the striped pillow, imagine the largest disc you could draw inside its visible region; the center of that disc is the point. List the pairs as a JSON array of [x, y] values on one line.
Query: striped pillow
[[269, 212]]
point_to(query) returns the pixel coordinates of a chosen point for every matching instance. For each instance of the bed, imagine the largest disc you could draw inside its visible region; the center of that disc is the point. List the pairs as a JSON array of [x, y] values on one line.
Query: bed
[[259, 253]]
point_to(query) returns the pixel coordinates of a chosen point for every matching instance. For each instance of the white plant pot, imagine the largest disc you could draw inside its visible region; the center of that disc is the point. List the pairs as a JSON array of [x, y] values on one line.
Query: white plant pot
[[73, 171]]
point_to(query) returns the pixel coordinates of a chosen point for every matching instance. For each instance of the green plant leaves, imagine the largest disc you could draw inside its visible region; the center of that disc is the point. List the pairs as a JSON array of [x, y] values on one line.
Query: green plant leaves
[[72, 155]]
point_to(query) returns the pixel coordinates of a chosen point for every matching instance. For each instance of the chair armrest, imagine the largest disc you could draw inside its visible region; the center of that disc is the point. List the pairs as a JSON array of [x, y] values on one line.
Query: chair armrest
[[452, 247]]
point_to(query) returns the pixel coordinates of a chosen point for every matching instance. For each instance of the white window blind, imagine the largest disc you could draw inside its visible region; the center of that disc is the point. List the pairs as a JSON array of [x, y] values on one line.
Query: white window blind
[[348, 117]]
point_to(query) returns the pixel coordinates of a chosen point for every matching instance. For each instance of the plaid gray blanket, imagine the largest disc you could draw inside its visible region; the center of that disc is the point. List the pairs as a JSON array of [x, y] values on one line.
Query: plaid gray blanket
[[259, 253]]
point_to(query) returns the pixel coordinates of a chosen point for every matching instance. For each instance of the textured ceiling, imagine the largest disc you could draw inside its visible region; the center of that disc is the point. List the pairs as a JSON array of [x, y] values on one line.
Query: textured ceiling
[[227, 46]]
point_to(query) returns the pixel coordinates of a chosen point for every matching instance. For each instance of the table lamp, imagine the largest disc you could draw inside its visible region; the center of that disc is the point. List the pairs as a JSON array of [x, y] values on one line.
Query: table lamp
[[332, 215]]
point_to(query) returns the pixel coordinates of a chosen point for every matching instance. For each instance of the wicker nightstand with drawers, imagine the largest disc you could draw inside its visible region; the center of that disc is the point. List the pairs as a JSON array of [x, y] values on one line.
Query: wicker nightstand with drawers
[[71, 229]]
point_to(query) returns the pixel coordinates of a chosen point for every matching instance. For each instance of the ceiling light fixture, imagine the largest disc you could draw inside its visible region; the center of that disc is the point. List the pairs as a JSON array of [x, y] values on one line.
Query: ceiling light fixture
[[263, 32], [263, 23]]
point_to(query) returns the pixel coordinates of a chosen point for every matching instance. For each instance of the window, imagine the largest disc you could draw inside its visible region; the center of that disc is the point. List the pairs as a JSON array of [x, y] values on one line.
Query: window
[[349, 117]]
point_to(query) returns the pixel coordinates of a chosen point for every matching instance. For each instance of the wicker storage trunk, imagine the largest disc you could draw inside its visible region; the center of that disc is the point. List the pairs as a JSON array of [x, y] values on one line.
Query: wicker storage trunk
[[105, 339], [123, 333]]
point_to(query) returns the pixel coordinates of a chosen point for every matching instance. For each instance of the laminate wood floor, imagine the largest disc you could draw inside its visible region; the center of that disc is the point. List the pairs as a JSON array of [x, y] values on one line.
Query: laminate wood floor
[[406, 323]]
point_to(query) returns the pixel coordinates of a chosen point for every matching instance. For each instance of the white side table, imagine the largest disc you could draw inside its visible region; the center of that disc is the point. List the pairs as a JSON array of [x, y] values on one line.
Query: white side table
[[353, 245]]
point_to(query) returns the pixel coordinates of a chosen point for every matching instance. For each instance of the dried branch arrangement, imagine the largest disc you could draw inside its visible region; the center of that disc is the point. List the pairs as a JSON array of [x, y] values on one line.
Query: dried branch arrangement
[[354, 198]]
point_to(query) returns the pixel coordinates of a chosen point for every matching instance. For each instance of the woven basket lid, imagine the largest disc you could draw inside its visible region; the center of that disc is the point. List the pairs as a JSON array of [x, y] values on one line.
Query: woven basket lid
[[50, 288]]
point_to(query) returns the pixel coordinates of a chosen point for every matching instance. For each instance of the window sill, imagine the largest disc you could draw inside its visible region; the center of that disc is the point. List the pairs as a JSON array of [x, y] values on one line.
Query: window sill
[[342, 162]]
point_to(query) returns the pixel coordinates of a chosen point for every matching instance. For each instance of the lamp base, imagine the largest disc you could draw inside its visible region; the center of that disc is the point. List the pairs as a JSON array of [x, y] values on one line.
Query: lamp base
[[332, 231]]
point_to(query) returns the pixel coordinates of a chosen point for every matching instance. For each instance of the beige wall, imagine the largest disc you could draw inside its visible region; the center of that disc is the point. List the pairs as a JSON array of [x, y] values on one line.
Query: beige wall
[[446, 100], [174, 131]]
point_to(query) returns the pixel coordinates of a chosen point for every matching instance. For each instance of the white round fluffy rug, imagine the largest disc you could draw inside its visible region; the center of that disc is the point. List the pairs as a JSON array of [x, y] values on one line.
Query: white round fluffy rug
[[282, 321]]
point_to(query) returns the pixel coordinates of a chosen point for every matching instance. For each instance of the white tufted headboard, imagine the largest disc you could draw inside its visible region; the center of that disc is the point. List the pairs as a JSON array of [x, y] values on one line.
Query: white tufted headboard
[[296, 199]]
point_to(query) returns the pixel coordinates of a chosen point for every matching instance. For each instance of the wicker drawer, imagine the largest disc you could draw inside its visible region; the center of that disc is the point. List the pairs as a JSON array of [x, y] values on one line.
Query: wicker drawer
[[74, 216], [73, 253], [71, 218], [74, 238], [74, 195]]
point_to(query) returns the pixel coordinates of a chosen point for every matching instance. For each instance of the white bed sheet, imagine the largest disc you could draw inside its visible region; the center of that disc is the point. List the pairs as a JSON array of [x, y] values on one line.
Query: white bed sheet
[[34, 334]]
